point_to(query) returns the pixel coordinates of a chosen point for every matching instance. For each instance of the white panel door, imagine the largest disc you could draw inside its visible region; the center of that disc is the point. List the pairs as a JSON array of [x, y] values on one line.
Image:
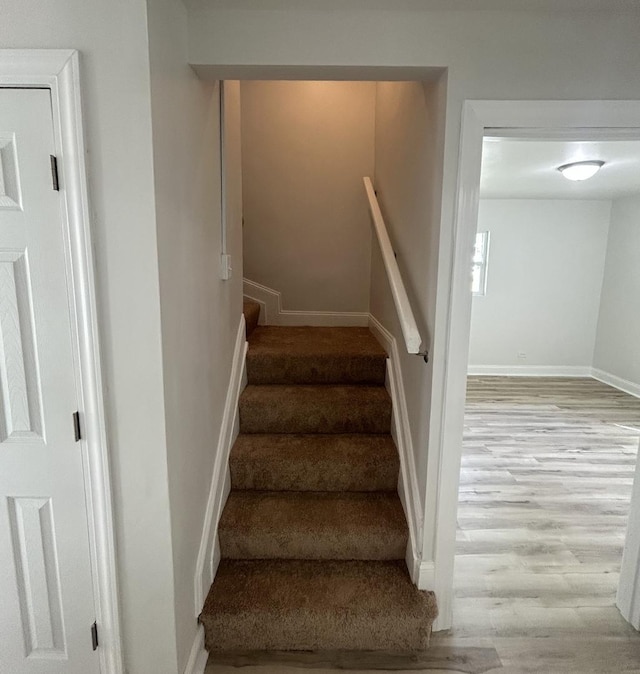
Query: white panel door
[[46, 597]]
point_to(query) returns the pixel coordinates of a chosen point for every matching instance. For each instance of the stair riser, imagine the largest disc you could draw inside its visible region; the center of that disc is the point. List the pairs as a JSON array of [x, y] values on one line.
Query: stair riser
[[306, 416], [314, 476], [302, 630], [381, 545], [283, 369]]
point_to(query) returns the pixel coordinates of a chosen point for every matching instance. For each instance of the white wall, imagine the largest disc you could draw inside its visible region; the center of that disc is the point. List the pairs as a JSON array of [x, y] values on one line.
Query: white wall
[[200, 313], [305, 149], [545, 271], [617, 349], [112, 39], [409, 145]]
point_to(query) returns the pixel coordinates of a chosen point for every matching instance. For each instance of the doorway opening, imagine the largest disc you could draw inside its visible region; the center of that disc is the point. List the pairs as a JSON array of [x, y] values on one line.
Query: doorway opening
[[507, 416], [550, 445], [310, 149]]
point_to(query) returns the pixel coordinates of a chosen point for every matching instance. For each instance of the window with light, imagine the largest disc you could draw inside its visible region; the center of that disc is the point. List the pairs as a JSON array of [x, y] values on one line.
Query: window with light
[[479, 264]]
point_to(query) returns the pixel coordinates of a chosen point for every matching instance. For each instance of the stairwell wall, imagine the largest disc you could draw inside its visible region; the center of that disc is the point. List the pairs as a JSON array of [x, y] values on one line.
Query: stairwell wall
[[200, 312], [306, 147], [408, 179]]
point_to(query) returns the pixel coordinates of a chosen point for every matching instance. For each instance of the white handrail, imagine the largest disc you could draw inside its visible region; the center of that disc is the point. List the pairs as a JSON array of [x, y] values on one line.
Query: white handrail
[[408, 324]]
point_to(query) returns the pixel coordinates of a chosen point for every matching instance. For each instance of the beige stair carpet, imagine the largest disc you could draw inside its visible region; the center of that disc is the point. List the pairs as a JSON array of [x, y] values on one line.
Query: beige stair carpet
[[302, 605], [315, 462], [251, 311], [313, 535], [315, 409], [313, 525], [315, 356]]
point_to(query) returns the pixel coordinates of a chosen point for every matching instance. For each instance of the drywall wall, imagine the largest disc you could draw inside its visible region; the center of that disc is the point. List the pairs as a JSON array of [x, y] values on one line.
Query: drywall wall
[[112, 39], [409, 145], [617, 349], [200, 312], [545, 271], [305, 149]]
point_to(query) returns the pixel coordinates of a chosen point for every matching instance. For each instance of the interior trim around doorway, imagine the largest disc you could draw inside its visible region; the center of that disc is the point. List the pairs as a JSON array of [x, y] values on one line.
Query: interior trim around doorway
[[58, 70], [535, 119]]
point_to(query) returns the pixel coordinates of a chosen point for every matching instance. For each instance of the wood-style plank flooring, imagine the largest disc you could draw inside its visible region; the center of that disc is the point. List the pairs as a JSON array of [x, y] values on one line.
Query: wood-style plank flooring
[[546, 479]]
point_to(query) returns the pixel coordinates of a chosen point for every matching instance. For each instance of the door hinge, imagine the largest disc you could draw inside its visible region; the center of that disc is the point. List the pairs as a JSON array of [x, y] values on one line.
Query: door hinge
[[76, 426], [54, 173], [94, 636]]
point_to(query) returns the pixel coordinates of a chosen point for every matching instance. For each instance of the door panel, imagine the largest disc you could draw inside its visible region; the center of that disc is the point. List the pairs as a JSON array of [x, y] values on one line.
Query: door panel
[[46, 606]]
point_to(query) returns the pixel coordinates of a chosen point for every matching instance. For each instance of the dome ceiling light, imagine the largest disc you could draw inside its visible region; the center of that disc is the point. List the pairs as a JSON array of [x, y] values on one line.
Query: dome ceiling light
[[580, 170]]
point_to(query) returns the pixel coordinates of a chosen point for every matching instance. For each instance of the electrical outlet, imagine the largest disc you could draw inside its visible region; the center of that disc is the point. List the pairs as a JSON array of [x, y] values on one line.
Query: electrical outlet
[[522, 355]]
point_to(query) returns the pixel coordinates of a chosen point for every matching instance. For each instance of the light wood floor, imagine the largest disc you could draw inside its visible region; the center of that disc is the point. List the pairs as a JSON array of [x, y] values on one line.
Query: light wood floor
[[544, 496]]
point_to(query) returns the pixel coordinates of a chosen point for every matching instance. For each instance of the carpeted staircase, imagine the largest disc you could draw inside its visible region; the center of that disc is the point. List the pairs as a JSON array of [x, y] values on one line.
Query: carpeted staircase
[[313, 536]]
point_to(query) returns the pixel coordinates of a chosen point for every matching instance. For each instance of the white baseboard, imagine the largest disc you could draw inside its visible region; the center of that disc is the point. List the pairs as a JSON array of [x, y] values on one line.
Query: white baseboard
[[556, 371], [269, 300], [206, 563], [421, 572], [530, 370], [400, 431], [426, 575], [272, 313], [617, 382], [198, 656]]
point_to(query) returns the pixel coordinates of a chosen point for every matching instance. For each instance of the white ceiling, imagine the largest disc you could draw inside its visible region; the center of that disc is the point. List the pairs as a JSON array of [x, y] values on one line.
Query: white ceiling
[[610, 6], [527, 169]]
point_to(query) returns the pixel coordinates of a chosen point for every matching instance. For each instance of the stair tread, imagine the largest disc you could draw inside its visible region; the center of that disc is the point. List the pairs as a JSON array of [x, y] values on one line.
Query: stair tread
[[313, 525], [319, 391], [321, 408], [315, 355], [311, 605], [314, 462], [315, 341]]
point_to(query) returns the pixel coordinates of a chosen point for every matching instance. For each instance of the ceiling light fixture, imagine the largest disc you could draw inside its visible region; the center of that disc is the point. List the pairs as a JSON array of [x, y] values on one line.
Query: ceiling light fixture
[[580, 170]]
